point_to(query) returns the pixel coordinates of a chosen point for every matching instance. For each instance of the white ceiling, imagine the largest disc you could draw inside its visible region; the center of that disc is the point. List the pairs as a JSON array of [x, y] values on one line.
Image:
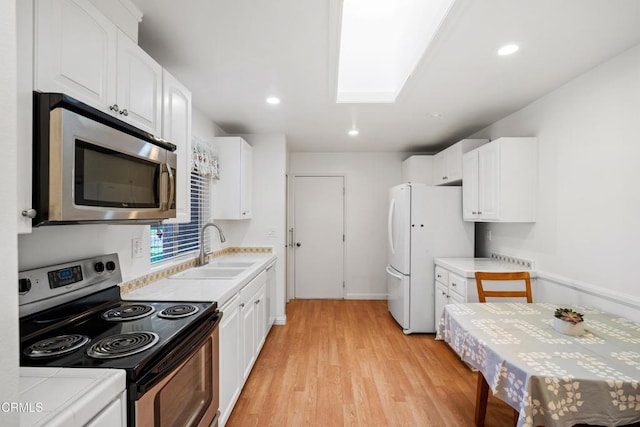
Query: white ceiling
[[233, 54]]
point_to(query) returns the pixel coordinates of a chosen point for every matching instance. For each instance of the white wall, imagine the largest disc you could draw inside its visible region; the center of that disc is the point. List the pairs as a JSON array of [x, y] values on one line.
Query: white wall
[[369, 176], [588, 226], [268, 224], [9, 373]]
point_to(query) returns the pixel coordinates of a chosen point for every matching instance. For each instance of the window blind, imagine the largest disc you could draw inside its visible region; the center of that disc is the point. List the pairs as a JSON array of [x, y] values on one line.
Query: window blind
[[174, 240]]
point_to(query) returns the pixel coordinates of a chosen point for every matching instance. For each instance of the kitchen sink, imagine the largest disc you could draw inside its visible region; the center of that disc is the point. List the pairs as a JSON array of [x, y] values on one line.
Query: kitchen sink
[[207, 272], [228, 264]]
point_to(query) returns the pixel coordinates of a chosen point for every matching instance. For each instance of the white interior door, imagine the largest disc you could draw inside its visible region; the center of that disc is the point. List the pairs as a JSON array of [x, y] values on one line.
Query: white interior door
[[318, 236]]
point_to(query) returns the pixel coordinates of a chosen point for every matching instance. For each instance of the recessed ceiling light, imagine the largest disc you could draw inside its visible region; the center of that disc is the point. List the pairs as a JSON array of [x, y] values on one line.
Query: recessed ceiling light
[[436, 115], [508, 49], [273, 100], [353, 132]]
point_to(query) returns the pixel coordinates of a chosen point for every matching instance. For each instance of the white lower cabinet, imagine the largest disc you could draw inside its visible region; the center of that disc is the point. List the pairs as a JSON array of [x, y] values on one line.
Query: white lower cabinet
[[450, 289], [113, 415], [230, 384], [243, 332]]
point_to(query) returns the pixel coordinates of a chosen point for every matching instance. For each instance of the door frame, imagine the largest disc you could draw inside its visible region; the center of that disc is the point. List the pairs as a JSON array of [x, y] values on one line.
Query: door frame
[[291, 261]]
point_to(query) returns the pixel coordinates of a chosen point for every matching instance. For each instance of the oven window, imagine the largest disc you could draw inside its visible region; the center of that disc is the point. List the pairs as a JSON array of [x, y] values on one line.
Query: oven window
[[184, 400], [108, 178]]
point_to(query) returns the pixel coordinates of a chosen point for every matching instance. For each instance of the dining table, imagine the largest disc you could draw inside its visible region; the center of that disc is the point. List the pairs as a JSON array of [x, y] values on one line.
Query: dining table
[[549, 378]]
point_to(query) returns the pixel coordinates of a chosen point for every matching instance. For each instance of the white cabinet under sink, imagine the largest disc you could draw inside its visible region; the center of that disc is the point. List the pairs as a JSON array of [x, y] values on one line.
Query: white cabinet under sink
[[233, 191], [500, 181], [230, 375], [243, 330]]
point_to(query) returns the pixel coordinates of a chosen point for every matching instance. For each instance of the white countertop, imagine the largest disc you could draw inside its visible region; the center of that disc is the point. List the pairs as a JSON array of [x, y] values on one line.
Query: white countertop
[[204, 289], [466, 267], [67, 397]]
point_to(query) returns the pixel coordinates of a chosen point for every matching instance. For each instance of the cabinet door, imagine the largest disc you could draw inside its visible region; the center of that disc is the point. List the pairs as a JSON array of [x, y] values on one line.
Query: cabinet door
[[230, 358], [113, 415], [75, 52], [176, 128], [440, 301], [247, 312], [260, 320], [246, 179], [454, 162], [470, 185], [489, 182], [440, 167], [139, 87]]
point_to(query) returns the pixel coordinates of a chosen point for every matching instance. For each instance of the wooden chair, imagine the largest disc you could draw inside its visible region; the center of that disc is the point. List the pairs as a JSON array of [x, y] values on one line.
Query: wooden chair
[[521, 275], [482, 392]]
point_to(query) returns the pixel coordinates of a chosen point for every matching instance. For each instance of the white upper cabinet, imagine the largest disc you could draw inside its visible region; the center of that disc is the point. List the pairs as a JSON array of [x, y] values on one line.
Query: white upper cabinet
[[418, 169], [500, 181], [176, 128], [447, 164], [139, 86], [75, 52], [233, 192], [81, 53]]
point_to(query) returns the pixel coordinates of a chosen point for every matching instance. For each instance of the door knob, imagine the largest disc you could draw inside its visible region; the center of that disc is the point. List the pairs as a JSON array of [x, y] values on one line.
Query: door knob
[[298, 244]]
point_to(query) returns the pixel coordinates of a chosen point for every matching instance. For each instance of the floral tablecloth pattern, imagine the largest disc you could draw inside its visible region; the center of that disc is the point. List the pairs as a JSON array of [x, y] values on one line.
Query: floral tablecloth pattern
[[550, 378]]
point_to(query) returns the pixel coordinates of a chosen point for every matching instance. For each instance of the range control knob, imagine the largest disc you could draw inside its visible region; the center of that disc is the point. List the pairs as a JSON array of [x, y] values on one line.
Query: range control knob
[[99, 267], [24, 286], [111, 265]]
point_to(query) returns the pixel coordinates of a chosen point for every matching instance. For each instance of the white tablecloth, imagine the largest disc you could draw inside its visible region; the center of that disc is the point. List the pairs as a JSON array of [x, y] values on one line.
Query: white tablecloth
[[550, 378]]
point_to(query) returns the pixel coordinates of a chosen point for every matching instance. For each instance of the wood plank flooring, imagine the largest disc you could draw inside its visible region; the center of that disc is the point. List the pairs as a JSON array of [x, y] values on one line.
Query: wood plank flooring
[[347, 363]]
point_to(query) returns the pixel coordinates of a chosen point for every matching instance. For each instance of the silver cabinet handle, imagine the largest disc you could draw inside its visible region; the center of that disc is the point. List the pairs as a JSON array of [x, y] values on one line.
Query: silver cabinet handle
[[241, 305], [445, 177], [479, 213], [438, 276], [29, 213], [454, 284], [474, 213], [124, 112], [244, 213], [257, 302], [114, 107]]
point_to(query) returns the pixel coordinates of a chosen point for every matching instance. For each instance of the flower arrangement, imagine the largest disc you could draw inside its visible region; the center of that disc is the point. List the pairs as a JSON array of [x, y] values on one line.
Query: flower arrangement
[[569, 315]]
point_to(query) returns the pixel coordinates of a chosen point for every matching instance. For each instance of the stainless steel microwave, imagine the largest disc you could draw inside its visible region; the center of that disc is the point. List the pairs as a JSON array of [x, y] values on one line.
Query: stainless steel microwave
[[90, 167]]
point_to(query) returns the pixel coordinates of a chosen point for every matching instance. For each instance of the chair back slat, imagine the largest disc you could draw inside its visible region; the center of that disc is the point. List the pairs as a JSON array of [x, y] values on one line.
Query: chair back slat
[[487, 276]]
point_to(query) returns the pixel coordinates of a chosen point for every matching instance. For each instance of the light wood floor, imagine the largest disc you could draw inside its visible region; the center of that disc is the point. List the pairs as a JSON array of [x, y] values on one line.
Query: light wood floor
[[341, 362]]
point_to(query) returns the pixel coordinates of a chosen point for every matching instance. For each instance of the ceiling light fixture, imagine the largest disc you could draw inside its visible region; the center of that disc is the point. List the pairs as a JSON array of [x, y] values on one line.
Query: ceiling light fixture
[[381, 43], [273, 100], [508, 49], [353, 132]]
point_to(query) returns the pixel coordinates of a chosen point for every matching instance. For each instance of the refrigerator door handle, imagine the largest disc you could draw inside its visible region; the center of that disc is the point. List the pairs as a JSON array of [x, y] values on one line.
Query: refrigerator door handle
[[392, 206], [392, 273]]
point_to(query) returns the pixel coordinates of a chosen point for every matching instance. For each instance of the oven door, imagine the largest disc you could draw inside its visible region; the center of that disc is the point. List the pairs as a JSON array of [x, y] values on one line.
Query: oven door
[[187, 395]]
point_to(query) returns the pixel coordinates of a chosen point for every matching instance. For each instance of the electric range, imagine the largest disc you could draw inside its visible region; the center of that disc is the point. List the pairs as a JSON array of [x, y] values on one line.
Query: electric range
[[72, 316]]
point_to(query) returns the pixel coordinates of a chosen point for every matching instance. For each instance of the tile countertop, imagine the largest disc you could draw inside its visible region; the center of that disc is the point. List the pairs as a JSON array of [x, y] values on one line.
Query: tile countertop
[[466, 267], [204, 289], [67, 397]]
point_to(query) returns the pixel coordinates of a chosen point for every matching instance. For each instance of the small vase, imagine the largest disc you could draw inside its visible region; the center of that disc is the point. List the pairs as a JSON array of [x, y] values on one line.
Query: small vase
[[568, 328]]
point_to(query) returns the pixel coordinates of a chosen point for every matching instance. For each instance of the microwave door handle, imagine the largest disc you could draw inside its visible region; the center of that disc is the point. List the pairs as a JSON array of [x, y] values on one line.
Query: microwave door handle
[[172, 186], [162, 187]]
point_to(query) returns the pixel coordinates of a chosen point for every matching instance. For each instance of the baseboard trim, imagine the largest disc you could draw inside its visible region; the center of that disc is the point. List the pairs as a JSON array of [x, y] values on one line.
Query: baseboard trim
[[353, 295], [280, 320]]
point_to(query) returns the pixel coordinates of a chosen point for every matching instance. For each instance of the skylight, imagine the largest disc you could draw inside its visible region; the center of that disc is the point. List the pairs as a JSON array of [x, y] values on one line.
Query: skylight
[[381, 43]]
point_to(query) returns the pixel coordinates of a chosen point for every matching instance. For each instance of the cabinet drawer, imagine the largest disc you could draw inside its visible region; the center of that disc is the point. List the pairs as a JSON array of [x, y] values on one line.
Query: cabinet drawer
[[455, 298], [458, 285], [442, 275]]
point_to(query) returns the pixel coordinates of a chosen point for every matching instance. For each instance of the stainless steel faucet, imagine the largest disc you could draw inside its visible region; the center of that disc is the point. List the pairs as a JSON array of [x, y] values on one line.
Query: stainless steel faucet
[[202, 260]]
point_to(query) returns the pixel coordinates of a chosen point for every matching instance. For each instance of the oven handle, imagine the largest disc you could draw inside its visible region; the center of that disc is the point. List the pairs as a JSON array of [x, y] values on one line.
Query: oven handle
[[173, 359]]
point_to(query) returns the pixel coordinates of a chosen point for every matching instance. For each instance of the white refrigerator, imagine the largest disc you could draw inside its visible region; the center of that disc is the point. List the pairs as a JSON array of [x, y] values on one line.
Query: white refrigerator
[[425, 222]]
